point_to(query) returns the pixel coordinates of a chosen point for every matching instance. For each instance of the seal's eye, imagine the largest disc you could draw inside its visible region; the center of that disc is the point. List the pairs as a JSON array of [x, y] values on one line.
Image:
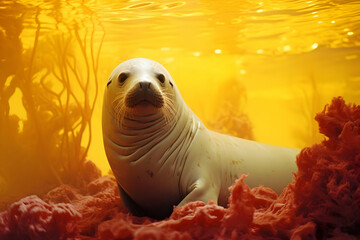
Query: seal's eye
[[161, 77], [122, 77]]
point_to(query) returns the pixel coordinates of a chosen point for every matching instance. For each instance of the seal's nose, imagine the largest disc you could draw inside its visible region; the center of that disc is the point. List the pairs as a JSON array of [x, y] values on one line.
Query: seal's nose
[[145, 85]]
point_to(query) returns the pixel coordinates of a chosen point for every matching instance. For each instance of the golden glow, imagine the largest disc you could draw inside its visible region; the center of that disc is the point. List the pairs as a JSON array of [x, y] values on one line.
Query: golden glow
[[290, 57]]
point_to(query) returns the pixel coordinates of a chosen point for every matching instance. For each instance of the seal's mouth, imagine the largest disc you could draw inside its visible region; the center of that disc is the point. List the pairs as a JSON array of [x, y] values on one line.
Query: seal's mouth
[[140, 96]]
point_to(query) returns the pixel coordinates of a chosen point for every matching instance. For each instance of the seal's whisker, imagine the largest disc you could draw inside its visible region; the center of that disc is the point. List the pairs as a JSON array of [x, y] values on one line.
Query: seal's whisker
[[168, 109], [169, 99], [119, 110]]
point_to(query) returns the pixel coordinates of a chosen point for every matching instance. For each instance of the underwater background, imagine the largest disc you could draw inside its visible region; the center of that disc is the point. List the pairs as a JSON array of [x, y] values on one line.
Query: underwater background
[[260, 70]]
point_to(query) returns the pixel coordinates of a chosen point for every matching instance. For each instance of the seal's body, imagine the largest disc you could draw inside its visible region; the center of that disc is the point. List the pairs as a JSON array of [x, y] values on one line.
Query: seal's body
[[162, 154]]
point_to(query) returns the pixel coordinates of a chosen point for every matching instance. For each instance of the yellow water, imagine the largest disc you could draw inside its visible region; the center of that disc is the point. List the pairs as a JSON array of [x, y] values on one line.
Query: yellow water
[[278, 62]]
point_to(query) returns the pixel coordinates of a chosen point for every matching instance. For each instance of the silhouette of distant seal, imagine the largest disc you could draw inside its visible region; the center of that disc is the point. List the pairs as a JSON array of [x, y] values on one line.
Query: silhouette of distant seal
[[161, 153]]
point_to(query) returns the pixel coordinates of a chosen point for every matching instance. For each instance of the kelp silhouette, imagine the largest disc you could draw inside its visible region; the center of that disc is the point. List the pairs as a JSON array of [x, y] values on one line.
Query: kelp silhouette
[[311, 104], [57, 78]]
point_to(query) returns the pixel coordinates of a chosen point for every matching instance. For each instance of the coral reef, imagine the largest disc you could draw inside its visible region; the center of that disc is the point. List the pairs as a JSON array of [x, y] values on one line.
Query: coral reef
[[322, 202]]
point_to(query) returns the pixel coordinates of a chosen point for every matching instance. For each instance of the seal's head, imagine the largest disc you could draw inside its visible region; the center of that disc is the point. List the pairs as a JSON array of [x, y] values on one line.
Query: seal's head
[[140, 88]]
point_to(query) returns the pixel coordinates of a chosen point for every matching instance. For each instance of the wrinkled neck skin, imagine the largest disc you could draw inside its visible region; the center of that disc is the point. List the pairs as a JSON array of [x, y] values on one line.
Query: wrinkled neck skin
[[149, 140]]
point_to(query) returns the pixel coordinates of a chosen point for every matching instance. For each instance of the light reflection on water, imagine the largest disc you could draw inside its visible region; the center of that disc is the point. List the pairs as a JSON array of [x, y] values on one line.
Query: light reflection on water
[[292, 57], [238, 27]]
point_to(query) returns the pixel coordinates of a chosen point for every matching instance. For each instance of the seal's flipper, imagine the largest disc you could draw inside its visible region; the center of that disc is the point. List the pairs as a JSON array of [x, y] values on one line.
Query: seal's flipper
[[200, 191], [127, 201]]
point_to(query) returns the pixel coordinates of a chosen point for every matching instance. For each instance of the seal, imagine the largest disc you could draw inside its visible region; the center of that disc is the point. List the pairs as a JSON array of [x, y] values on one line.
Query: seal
[[163, 156]]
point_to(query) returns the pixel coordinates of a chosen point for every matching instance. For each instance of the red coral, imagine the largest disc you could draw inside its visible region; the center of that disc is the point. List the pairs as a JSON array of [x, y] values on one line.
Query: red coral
[[100, 202], [32, 218], [327, 188], [241, 209], [195, 220], [263, 196]]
